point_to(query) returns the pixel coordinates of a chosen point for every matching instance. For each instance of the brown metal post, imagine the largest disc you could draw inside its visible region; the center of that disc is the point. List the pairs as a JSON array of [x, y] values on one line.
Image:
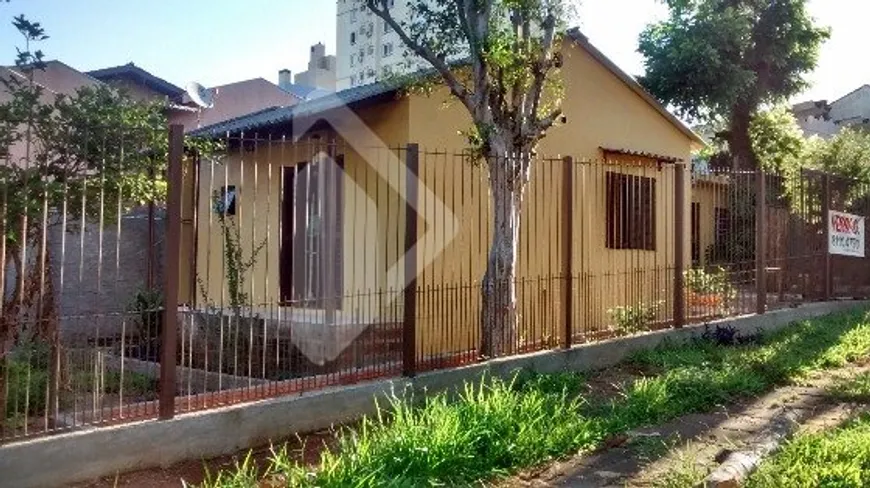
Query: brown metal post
[[679, 245], [150, 255], [409, 325], [169, 337], [826, 226], [567, 245], [760, 244]]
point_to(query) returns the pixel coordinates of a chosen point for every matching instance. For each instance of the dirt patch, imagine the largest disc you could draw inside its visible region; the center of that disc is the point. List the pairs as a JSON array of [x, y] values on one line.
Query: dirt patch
[[306, 450]]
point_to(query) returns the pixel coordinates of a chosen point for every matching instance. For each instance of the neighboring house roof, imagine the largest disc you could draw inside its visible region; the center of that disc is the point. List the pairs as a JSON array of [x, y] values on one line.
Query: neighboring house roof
[[305, 92], [237, 99], [57, 78], [862, 87], [135, 73], [279, 115]]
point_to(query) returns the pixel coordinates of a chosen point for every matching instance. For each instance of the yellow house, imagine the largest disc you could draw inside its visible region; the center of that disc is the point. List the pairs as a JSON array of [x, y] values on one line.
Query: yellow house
[[626, 149]]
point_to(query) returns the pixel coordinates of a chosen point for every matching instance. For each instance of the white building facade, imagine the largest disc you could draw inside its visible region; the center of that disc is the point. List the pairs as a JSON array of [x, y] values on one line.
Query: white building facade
[[367, 49]]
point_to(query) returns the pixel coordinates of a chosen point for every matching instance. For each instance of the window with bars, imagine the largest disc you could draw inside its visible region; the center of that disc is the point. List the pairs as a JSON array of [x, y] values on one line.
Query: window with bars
[[631, 218]]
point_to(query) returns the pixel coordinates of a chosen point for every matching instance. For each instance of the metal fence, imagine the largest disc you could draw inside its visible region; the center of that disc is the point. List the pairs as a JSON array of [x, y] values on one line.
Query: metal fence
[[287, 266]]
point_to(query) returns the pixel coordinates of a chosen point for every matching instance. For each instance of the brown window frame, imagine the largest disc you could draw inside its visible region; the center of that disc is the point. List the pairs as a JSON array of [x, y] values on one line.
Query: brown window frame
[[631, 212], [328, 290]]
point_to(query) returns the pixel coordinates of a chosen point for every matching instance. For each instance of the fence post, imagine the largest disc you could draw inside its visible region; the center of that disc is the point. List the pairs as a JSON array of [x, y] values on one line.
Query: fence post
[[409, 324], [760, 244], [826, 215], [679, 245], [567, 244], [169, 336]]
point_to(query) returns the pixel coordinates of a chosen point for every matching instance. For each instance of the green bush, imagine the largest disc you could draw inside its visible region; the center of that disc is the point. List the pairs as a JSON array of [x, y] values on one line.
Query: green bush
[[25, 371], [634, 318], [148, 307], [714, 281]]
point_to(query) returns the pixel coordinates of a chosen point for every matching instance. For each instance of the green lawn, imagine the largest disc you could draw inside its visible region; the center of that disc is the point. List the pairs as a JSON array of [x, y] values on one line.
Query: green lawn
[[839, 458], [497, 427]]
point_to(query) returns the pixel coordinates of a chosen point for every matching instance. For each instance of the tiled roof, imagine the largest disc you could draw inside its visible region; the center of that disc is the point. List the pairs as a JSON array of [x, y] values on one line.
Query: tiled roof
[[279, 115], [131, 70]]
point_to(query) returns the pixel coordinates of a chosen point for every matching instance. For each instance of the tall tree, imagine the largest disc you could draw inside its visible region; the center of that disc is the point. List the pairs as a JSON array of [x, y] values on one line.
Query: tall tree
[[500, 60], [91, 155], [723, 59]]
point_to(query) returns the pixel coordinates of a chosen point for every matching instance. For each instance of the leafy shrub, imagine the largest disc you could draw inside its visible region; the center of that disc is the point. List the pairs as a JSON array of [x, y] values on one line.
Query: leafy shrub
[[25, 372], [148, 307], [709, 288], [726, 335], [634, 318]]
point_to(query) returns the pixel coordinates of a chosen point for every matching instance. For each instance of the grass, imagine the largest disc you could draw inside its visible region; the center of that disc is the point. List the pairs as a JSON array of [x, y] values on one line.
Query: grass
[[686, 473], [839, 458], [496, 427], [855, 389]]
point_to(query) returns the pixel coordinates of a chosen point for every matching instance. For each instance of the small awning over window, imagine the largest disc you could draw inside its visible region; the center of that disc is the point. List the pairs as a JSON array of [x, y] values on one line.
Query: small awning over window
[[640, 155]]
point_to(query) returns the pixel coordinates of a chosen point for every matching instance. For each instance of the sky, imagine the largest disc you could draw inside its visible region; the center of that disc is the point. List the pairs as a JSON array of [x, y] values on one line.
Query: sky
[[218, 42]]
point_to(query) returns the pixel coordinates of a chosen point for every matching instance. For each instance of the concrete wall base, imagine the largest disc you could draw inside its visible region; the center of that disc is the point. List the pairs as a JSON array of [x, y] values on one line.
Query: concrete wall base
[[88, 454]]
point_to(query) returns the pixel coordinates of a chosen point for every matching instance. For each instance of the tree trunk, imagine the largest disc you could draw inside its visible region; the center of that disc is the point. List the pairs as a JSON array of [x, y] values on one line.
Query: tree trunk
[[499, 320], [739, 142]]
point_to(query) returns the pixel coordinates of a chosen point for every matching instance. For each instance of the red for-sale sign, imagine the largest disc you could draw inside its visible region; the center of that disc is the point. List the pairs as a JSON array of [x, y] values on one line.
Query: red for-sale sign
[[846, 233]]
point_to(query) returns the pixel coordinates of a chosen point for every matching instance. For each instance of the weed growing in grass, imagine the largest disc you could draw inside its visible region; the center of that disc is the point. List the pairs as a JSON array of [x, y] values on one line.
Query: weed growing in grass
[[496, 427], [838, 458], [651, 447], [687, 472], [855, 389], [244, 475]]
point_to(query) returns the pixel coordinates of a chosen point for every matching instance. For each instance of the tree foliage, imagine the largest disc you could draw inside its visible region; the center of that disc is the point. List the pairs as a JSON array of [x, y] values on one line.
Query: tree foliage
[[777, 140], [723, 59], [91, 156]]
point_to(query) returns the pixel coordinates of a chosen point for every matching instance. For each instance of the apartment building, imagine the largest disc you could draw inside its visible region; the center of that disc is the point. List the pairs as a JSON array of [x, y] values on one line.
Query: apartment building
[[366, 47]]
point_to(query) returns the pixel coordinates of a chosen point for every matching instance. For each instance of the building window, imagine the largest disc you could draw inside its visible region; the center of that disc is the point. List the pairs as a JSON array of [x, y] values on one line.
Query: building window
[[631, 218], [371, 49], [352, 38], [352, 16], [352, 79], [352, 59], [387, 27], [388, 49]]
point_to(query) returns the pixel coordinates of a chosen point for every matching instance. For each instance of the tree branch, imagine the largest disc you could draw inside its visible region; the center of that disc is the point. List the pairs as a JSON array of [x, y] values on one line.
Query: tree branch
[[542, 66], [459, 90]]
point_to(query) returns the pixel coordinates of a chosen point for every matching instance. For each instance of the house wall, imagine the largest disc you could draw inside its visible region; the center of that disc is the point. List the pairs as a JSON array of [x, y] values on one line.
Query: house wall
[[602, 112], [371, 213], [852, 108]]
